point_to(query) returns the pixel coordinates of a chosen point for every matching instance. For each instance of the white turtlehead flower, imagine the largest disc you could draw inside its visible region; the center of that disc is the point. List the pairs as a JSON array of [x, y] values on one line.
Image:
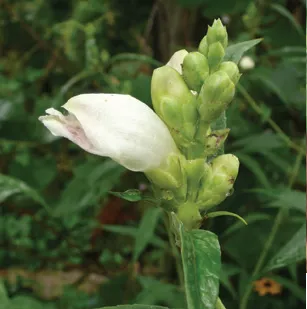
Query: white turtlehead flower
[[116, 126], [247, 63], [177, 59]]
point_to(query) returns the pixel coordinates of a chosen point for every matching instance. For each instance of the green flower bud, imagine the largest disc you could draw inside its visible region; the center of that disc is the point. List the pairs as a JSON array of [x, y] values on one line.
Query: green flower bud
[[214, 141], [188, 213], [231, 69], [174, 103], [203, 46], [215, 95], [216, 54], [195, 70], [218, 183], [217, 33]]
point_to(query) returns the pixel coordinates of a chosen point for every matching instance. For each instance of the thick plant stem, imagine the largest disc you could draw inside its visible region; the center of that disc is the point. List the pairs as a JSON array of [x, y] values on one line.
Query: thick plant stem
[[277, 223], [219, 304], [175, 251]]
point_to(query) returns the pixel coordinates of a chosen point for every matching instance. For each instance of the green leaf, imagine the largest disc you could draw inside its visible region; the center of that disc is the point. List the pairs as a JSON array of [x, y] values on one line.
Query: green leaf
[[91, 182], [133, 195], [4, 299], [227, 272], [285, 13], [10, 186], [291, 253], [236, 51], [259, 143], [290, 199], [134, 307], [134, 57], [251, 218], [26, 302], [158, 292], [146, 230], [133, 232], [225, 213], [201, 257], [284, 197]]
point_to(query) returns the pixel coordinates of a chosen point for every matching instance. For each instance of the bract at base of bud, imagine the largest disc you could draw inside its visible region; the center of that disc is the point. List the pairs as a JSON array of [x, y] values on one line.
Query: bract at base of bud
[[168, 176], [215, 140], [188, 213], [195, 171]]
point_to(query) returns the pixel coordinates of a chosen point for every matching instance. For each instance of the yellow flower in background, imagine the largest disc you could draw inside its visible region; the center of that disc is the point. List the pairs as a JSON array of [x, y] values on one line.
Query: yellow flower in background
[[267, 286]]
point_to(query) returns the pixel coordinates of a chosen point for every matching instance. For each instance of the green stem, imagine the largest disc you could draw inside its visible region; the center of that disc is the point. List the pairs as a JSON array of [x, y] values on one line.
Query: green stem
[[277, 223], [219, 304], [175, 251], [270, 121]]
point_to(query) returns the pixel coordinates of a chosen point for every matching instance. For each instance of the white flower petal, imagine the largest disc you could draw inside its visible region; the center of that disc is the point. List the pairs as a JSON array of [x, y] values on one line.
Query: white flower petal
[[66, 126], [177, 59], [117, 126]]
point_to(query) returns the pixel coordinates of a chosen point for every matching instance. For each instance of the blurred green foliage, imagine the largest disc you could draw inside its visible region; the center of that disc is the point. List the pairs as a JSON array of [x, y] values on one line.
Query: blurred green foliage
[[56, 213]]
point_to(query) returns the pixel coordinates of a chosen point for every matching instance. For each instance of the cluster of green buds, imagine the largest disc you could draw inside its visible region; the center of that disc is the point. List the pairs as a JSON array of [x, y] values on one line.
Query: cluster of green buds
[[190, 94]]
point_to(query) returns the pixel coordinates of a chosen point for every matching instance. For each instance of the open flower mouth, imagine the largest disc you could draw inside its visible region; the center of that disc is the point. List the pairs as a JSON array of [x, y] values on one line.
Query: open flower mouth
[[67, 126]]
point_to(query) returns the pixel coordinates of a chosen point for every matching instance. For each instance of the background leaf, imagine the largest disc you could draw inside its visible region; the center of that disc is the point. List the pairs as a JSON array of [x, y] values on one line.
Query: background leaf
[[10, 186], [236, 51], [292, 252], [146, 230]]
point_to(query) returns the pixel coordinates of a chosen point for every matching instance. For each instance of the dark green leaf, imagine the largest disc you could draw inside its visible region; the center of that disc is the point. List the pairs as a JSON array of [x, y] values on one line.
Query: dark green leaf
[[10, 186], [201, 257], [294, 288], [146, 230], [92, 181], [259, 143], [236, 51], [227, 272], [285, 13], [134, 57], [251, 218], [134, 307], [133, 232], [25, 302], [158, 292], [4, 300], [284, 197], [292, 252]]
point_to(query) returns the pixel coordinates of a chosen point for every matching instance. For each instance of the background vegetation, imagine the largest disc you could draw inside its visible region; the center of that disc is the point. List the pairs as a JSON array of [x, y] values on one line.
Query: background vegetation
[[65, 241]]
